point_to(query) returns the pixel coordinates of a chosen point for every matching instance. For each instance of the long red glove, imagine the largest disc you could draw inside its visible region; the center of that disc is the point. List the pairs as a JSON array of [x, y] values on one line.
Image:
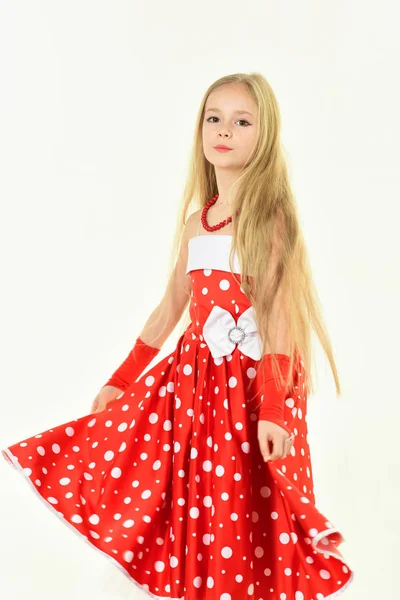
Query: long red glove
[[137, 360], [274, 392]]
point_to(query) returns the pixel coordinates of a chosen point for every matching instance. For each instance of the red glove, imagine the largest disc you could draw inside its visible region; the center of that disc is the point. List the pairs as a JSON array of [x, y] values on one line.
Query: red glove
[[274, 392], [137, 360]]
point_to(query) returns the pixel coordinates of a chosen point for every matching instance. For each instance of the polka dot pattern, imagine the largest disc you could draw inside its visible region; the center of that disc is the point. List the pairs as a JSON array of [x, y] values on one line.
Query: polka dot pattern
[[169, 482]]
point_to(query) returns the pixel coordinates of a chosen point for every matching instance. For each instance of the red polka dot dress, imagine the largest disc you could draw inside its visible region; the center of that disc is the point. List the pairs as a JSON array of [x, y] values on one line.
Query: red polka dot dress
[[169, 482]]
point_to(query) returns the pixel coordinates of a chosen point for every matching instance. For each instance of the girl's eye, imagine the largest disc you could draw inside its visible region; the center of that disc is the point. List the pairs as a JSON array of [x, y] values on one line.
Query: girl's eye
[[243, 120]]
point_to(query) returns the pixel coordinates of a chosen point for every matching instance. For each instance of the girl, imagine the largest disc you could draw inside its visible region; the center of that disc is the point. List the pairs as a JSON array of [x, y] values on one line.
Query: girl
[[195, 478]]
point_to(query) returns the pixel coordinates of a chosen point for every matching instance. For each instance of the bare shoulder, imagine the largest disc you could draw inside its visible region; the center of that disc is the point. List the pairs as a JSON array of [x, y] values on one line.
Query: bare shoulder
[[189, 231], [192, 224]]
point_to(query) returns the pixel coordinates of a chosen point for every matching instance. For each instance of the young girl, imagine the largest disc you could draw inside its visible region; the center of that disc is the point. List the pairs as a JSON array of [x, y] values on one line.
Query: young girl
[[195, 478]]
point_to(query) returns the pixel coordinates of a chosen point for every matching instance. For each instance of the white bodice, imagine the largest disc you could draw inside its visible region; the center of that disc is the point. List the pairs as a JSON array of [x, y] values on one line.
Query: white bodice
[[211, 251]]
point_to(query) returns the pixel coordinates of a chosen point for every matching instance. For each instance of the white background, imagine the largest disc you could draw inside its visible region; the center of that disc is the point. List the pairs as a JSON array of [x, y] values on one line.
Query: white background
[[97, 108]]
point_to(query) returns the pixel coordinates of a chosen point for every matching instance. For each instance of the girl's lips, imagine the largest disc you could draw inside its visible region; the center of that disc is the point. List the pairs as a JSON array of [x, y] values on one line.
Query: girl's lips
[[222, 149]]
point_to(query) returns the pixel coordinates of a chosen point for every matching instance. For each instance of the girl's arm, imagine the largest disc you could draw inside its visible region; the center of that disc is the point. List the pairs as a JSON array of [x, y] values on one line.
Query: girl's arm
[[158, 326], [164, 318]]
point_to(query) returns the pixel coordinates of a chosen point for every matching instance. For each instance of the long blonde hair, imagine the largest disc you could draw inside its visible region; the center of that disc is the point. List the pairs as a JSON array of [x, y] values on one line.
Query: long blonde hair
[[266, 232]]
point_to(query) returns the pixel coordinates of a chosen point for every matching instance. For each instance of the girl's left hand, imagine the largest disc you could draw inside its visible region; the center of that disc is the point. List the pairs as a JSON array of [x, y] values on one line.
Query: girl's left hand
[[280, 438]]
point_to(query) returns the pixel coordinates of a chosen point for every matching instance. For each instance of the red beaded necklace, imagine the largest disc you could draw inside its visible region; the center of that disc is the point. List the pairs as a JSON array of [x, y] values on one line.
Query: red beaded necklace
[[204, 216]]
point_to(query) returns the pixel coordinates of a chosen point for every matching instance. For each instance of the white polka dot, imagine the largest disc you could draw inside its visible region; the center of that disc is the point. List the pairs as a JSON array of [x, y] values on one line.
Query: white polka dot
[[194, 512], [187, 369], [219, 471], [116, 472], [149, 380], [127, 556], [109, 455], [197, 581], [224, 284], [128, 523], [94, 519], [299, 596], [159, 566], [70, 431], [284, 538], [245, 447], [325, 574], [232, 382], [173, 561], [65, 481], [76, 519], [251, 372], [226, 552], [204, 291], [265, 491]]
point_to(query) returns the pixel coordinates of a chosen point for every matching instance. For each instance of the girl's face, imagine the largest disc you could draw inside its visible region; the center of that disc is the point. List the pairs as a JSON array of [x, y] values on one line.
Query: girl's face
[[230, 118]]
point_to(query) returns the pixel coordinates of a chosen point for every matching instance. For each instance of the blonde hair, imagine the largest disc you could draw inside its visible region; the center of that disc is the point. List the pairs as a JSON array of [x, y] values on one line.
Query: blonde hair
[[275, 271]]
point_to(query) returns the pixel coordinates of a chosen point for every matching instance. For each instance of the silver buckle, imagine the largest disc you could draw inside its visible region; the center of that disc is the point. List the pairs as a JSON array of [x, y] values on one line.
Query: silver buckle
[[237, 331]]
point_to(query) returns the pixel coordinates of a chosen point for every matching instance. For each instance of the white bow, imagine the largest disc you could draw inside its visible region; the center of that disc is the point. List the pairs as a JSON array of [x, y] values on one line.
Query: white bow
[[222, 333]]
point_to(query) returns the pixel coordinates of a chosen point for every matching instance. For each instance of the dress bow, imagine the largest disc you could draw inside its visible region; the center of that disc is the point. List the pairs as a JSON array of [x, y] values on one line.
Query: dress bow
[[222, 333]]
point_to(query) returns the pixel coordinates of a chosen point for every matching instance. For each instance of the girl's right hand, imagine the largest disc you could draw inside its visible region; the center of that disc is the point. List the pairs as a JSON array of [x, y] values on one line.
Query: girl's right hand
[[106, 395]]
